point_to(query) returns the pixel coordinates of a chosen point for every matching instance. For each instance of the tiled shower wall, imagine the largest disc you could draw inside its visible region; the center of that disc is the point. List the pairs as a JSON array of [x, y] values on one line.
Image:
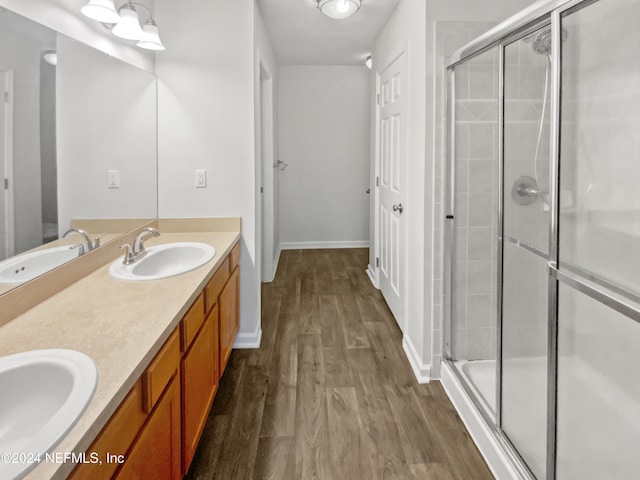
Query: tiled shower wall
[[478, 110]]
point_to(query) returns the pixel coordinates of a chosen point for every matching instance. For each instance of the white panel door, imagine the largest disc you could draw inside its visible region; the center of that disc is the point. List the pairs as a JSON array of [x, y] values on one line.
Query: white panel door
[[392, 184]]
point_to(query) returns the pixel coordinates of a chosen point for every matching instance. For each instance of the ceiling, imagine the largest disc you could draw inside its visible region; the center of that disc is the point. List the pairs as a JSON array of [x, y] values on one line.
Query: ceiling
[[302, 35]]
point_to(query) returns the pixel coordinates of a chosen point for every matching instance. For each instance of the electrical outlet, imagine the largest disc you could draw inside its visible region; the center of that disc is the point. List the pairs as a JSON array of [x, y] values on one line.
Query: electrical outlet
[[113, 178], [200, 179]]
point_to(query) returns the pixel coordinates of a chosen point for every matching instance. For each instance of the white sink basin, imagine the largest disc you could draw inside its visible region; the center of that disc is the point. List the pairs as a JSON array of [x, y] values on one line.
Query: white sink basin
[[44, 392], [31, 265], [162, 261]]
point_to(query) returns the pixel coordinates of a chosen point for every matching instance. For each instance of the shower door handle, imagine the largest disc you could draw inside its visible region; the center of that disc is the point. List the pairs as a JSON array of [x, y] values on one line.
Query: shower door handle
[[398, 208]]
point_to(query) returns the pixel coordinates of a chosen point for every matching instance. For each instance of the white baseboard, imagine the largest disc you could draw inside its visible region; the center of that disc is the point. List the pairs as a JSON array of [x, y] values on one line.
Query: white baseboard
[[323, 245], [372, 276], [422, 371], [480, 432], [248, 340]]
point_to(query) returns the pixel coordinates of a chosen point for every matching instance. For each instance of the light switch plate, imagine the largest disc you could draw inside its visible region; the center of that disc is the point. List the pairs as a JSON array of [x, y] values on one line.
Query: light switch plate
[[200, 179], [113, 178]]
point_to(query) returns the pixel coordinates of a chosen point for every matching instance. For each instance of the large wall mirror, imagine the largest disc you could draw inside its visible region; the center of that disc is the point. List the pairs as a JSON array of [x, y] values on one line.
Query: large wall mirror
[[78, 148]]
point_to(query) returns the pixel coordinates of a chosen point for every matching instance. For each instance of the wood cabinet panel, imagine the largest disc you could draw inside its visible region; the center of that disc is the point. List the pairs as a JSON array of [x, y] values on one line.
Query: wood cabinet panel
[[191, 323], [229, 317], [156, 453], [161, 369], [199, 385], [215, 285], [116, 437], [234, 257]]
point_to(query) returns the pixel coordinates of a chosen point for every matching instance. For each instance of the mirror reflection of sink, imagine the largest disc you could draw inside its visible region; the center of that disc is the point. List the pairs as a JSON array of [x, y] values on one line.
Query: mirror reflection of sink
[[33, 264], [166, 260], [44, 392]]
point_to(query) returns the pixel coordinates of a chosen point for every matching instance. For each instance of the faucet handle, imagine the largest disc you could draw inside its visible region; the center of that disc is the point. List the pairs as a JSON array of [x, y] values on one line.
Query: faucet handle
[[128, 255], [96, 241], [80, 247]]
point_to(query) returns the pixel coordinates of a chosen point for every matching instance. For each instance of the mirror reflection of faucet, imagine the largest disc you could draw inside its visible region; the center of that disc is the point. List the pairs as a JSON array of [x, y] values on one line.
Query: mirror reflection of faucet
[[87, 244]]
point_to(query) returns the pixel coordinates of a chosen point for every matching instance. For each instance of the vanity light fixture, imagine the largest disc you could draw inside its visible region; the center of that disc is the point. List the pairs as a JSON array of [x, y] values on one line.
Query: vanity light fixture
[[126, 23], [339, 9]]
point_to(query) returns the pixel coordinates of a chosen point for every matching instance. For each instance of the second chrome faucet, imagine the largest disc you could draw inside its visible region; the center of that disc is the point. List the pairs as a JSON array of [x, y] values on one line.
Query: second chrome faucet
[[138, 251]]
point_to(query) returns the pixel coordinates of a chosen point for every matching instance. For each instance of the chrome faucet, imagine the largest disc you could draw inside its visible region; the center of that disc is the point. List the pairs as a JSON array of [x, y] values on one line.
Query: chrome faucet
[[87, 244], [135, 253]]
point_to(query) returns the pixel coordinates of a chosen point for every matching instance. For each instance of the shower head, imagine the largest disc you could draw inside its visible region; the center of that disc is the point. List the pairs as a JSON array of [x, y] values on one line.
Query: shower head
[[541, 40]]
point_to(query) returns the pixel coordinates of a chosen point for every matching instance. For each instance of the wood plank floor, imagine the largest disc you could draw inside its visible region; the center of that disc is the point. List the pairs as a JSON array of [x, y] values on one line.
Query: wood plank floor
[[330, 395]]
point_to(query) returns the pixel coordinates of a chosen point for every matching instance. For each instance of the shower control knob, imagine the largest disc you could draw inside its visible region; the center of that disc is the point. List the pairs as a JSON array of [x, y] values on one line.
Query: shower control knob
[[398, 208]]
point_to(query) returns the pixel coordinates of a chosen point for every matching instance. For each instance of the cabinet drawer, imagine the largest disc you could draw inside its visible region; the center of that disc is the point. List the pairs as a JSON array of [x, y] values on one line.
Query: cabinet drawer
[[160, 371], [191, 323], [215, 285], [116, 437], [234, 257]]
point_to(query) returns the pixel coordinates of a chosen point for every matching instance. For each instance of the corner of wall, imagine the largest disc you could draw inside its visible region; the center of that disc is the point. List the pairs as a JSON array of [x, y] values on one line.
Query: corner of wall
[[421, 370]]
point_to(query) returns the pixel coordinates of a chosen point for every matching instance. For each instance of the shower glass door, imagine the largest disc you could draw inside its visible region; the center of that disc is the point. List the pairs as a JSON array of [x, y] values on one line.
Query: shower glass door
[[598, 392], [525, 240]]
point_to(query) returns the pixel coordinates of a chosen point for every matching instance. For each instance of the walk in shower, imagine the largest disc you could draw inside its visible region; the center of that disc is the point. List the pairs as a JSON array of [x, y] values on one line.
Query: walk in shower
[[542, 237]]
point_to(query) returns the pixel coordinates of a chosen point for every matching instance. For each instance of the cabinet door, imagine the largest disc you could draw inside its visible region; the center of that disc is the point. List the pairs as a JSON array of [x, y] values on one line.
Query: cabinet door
[[156, 453], [229, 320], [199, 385]]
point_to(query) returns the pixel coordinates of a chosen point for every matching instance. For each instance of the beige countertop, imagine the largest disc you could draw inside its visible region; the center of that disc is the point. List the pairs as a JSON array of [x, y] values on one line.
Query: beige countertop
[[121, 325]]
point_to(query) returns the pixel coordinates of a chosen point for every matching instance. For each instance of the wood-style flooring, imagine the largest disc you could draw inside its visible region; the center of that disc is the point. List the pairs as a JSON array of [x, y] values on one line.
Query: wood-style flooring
[[330, 395]]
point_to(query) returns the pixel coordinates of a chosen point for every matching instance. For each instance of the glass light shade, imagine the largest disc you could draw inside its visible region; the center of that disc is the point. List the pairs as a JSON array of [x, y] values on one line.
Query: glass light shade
[[368, 62], [339, 9], [51, 57], [129, 25], [101, 10], [150, 38]]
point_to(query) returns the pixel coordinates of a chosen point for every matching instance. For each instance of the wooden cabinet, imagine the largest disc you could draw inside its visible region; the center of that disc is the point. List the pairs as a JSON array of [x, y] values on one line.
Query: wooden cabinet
[[199, 385], [228, 302], [156, 453], [156, 429]]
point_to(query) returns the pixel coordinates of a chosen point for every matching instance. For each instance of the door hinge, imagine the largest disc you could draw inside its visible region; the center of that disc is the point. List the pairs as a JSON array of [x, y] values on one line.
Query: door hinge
[[377, 181], [377, 262], [261, 190], [378, 99], [6, 184], [6, 97]]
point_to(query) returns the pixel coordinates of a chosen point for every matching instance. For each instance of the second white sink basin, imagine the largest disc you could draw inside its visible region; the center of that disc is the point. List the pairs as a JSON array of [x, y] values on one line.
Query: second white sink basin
[[166, 260], [44, 392], [33, 264]]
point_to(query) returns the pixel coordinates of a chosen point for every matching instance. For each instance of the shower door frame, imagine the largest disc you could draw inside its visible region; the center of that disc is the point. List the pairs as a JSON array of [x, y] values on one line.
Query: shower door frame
[[514, 29]]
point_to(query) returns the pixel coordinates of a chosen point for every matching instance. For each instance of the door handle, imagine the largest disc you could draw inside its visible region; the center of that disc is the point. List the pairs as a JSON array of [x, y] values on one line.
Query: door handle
[[368, 190], [398, 208]]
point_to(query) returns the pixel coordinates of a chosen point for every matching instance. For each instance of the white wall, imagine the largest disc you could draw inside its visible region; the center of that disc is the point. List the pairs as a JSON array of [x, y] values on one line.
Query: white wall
[[64, 17], [206, 121], [102, 128], [324, 132], [267, 212]]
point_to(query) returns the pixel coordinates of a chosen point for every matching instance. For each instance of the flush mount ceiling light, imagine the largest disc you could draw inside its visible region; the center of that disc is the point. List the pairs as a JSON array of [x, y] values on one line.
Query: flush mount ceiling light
[[368, 62], [339, 9], [126, 23]]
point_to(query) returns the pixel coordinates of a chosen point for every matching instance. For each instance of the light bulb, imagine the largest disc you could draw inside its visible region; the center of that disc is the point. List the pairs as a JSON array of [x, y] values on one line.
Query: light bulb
[[343, 6]]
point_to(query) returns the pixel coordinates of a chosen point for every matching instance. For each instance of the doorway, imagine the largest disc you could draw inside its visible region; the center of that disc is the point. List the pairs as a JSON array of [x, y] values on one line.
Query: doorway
[[7, 246]]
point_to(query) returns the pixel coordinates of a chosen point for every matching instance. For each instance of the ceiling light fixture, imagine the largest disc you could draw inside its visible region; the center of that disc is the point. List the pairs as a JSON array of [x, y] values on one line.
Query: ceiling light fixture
[[126, 23], [368, 62], [339, 9]]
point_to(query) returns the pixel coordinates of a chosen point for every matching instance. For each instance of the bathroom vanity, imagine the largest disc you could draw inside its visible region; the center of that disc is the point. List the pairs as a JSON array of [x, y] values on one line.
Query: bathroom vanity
[[160, 347]]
